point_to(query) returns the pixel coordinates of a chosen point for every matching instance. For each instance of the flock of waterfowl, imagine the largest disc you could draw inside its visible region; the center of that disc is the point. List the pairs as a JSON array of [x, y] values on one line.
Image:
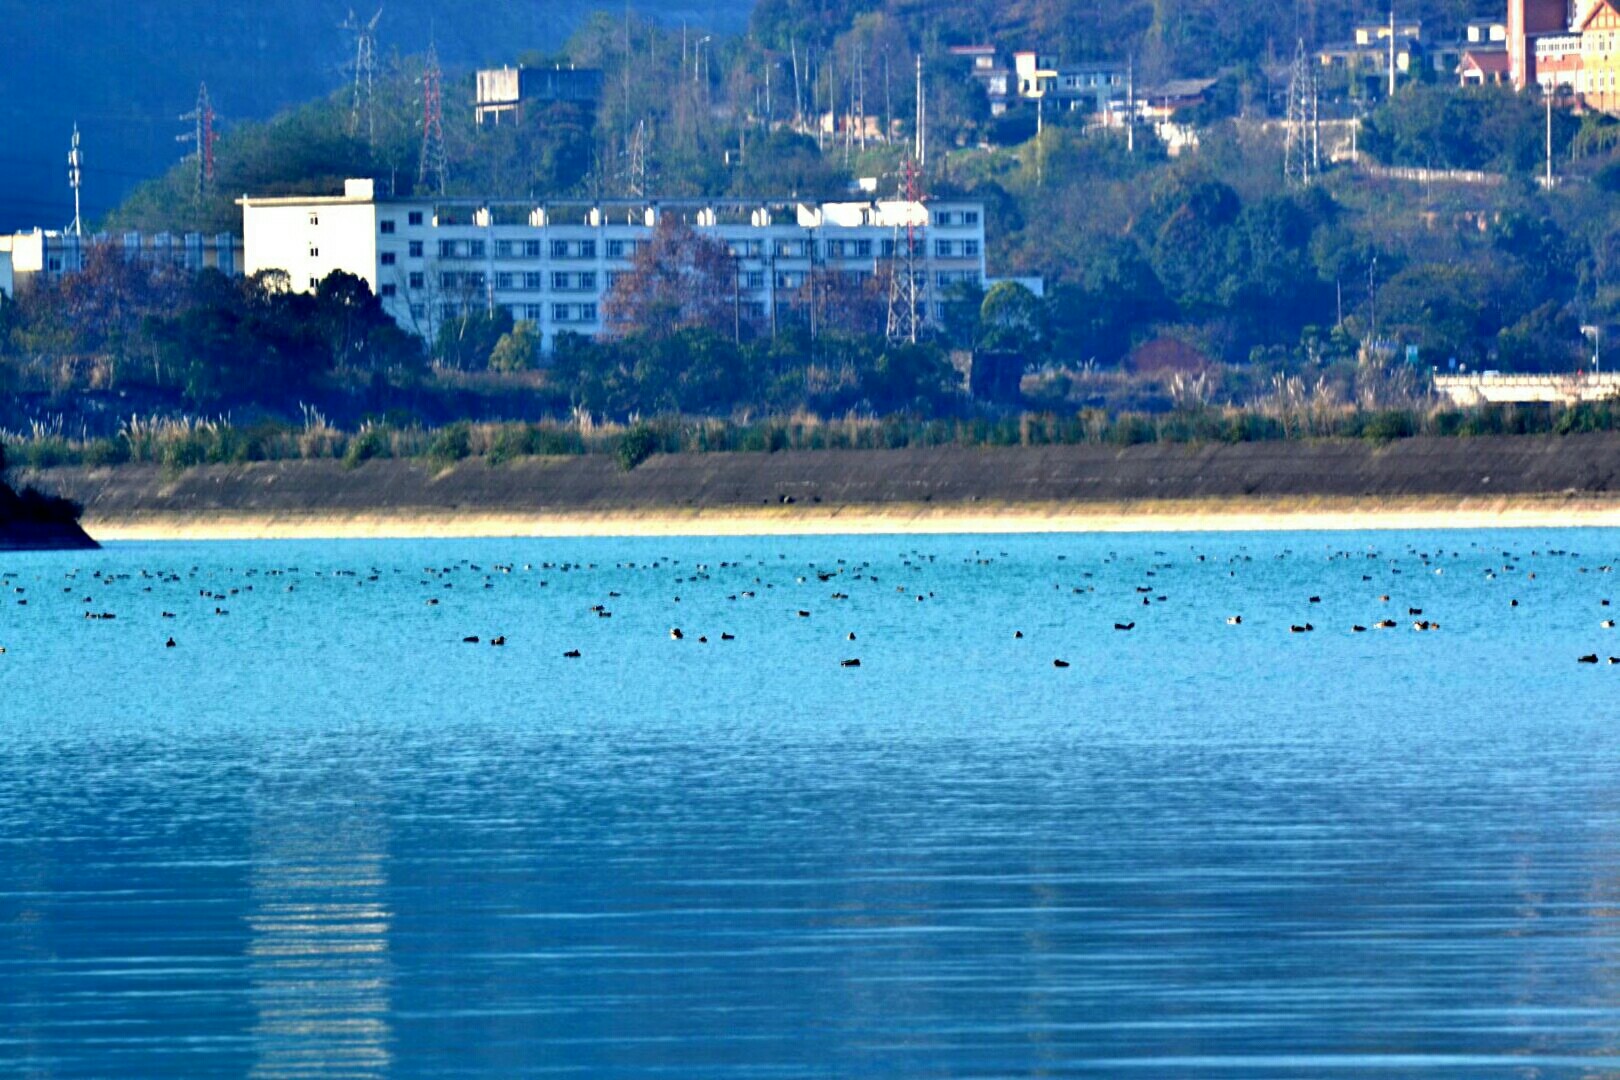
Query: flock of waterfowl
[[763, 574]]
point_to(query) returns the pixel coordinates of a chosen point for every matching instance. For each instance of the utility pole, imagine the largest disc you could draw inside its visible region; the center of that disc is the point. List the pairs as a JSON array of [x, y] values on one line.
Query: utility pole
[[204, 137], [75, 178], [1392, 50], [1130, 104], [1547, 94]]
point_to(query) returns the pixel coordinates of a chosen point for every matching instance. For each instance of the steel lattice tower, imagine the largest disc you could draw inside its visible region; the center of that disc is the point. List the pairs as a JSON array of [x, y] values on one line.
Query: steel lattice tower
[[905, 318], [362, 115], [433, 174], [203, 137], [1301, 162]]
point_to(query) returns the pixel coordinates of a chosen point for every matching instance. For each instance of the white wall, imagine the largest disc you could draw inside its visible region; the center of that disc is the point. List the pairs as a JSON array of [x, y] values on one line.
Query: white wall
[[311, 239]]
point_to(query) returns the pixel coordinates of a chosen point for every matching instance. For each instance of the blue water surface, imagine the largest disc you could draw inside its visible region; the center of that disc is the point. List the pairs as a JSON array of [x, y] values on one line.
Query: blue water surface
[[324, 836]]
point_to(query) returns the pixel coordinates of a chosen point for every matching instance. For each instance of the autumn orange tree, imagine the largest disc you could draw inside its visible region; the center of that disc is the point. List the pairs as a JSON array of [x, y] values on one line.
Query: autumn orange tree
[[679, 280]]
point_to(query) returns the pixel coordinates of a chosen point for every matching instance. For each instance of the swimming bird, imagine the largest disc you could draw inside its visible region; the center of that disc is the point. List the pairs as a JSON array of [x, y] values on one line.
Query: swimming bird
[[1589, 658], [167, 644], [1125, 626], [1357, 629], [1384, 624], [572, 654], [1316, 600], [472, 640], [850, 663], [728, 637], [675, 633], [1414, 611], [1060, 663], [498, 640], [1607, 624], [851, 636], [1018, 635], [1235, 620], [1307, 628], [703, 639], [804, 614]]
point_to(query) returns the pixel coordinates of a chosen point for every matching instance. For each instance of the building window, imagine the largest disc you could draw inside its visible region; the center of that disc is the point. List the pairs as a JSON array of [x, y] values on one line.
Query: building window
[[418, 312], [863, 249], [416, 249], [970, 249], [503, 249], [314, 252], [970, 217], [476, 248], [615, 249], [942, 217], [587, 249], [417, 280], [559, 249], [503, 281], [414, 217], [314, 283], [559, 281], [587, 313], [531, 249], [386, 226], [533, 280], [835, 249], [944, 248], [388, 258], [447, 249], [388, 290], [587, 280], [559, 313], [449, 280], [533, 312], [448, 311], [314, 218]]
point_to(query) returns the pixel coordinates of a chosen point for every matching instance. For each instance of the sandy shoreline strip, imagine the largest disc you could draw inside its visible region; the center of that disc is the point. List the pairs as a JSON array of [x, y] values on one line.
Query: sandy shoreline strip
[[1232, 515]]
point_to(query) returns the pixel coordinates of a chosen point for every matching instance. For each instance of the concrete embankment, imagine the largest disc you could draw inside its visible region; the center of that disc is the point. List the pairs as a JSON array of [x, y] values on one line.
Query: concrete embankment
[[1327, 483]]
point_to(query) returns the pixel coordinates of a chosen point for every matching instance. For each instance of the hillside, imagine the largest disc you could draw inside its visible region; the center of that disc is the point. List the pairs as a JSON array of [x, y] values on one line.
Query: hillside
[[125, 73]]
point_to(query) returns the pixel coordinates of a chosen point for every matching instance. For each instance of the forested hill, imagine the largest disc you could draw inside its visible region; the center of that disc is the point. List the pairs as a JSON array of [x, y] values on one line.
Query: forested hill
[[126, 71], [1184, 37]]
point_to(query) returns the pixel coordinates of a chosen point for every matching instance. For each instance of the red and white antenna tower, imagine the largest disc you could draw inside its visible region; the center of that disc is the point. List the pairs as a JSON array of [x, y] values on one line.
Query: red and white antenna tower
[[204, 136], [435, 162]]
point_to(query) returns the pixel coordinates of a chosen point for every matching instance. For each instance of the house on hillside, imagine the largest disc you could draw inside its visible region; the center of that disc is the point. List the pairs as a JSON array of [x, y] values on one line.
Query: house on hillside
[[504, 93]]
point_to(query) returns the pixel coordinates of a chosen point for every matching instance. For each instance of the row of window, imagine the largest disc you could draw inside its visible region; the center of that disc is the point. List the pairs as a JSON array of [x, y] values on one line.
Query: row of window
[[625, 249], [561, 281], [581, 314]]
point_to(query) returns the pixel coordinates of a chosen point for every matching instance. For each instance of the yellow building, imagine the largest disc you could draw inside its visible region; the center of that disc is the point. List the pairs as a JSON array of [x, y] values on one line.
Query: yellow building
[[1600, 56]]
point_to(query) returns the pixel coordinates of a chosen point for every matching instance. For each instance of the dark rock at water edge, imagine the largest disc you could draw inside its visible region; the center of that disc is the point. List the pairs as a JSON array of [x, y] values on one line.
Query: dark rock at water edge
[[31, 520]]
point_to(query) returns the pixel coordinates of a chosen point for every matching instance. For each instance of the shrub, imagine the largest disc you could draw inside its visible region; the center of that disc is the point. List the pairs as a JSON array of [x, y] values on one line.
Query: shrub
[[368, 442], [636, 445], [451, 443]]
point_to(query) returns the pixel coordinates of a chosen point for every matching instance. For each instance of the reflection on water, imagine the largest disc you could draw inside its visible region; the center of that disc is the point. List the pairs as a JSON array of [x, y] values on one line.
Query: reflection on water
[[325, 836], [318, 958]]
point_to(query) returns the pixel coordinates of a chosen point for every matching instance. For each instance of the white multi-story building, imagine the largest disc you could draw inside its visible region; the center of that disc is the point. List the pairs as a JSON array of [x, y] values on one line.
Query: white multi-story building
[[553, 264]]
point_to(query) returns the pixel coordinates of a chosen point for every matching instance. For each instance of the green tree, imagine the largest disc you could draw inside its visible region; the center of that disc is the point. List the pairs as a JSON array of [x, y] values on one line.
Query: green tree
[[517, 350], [467, 340], [1012, 320]]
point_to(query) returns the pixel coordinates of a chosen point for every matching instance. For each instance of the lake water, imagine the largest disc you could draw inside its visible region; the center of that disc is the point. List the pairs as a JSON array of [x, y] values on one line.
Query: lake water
[[324, 836]]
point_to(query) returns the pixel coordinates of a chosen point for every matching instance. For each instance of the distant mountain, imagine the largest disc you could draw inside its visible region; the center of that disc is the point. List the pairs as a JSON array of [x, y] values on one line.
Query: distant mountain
[[125, 72]]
